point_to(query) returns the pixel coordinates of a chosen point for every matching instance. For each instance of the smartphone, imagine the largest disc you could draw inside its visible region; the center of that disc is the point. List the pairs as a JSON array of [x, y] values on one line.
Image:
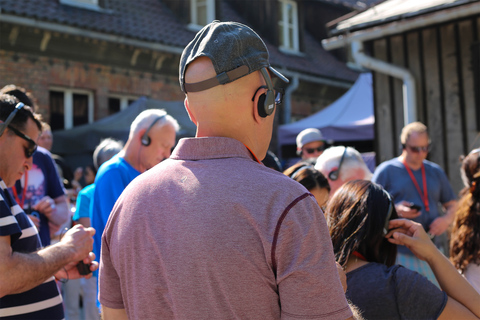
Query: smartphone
[[415, 207]]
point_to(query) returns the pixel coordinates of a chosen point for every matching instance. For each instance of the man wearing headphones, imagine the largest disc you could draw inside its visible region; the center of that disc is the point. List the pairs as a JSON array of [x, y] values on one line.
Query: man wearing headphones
[[150, 141], [211, 233], [27, 284], [342, 164]]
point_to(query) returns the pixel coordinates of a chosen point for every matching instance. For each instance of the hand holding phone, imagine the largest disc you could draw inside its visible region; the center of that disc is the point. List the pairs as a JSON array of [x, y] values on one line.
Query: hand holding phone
[[414, 206], [83, 268]]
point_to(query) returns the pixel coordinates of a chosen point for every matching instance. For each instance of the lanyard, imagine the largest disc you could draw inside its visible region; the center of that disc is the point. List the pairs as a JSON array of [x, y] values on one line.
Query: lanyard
[[253, 154], [359, 255], [424, 194], [24, 191]]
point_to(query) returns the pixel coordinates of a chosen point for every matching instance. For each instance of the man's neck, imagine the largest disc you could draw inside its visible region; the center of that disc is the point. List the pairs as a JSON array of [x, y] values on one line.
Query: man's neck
[[412, 165]]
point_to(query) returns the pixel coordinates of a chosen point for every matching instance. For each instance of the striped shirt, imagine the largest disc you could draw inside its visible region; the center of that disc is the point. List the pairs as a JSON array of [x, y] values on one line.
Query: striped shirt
[[43, 301]]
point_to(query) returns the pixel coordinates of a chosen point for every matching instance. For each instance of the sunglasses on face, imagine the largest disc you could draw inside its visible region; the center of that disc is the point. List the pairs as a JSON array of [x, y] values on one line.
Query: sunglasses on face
[[312, 150], [279, 92], [418, 149], [32, 146]]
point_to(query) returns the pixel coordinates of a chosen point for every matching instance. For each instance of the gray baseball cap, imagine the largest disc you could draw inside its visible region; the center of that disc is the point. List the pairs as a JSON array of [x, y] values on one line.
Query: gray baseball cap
[[235, 50], [309, 135]]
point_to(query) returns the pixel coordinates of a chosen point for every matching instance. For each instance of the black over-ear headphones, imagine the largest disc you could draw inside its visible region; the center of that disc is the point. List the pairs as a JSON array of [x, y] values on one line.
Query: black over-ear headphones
[[4, 125], [145, 138], [266, 102], [333, 175]]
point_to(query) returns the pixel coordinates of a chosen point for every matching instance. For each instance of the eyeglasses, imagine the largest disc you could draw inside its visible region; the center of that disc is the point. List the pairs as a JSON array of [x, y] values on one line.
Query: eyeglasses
[[279, 92], [312, 150], [32, 146], [389, 214], [418, 149]]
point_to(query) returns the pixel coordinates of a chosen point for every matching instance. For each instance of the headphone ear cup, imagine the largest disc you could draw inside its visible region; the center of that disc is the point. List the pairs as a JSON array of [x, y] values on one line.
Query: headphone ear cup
[[261, 106], [269, 104], [146, 141]]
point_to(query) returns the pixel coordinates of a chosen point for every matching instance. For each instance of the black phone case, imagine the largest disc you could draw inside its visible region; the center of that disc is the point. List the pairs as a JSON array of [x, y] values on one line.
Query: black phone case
[[83, 268]]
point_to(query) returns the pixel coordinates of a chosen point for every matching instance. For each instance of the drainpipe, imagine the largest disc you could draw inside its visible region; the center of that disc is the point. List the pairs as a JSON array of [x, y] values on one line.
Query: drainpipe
[[287, 111], [409, 94]]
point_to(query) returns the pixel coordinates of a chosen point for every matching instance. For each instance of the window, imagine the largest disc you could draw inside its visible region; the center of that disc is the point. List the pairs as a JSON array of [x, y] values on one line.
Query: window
[[86, 4], [70, 108], [288, 26], [202, 12], [118, 102]]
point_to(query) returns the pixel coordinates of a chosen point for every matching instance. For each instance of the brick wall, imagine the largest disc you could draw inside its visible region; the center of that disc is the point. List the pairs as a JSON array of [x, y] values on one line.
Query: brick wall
[[39, 73]]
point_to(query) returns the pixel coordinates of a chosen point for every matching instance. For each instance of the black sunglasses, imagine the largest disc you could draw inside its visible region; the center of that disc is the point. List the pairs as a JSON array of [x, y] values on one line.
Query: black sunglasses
[[312, 150], [418, 149], [279, 92], [32, 146]]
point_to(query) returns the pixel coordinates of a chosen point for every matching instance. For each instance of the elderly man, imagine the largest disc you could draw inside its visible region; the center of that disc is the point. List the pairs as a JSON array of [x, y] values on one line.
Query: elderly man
[[342, 164], [211, 233], [418, 187], [151, 139], [310, 144], [27, 285]]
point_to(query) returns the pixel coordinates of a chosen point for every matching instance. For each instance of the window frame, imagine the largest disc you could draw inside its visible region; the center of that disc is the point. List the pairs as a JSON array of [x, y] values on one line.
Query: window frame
[[123, 99], [286, 27], [68, 104], [85, 4], [210, 12]]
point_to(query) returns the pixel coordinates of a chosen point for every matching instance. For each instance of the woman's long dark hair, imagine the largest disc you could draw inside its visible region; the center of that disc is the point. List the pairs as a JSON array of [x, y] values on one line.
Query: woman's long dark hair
[[465, 236], [356, 217], [307, 176]]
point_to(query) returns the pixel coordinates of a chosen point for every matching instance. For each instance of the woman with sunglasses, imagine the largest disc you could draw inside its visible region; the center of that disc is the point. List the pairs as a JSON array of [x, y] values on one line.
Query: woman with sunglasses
[[465, 237], [359, 218]]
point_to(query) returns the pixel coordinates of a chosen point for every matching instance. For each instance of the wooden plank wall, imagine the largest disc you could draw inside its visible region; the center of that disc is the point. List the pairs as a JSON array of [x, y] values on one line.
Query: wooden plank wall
[[440, 58]]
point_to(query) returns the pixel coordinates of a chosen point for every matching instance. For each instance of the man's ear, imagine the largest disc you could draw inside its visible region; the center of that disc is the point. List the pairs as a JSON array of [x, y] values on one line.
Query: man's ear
[[256, 115], [190, 113]]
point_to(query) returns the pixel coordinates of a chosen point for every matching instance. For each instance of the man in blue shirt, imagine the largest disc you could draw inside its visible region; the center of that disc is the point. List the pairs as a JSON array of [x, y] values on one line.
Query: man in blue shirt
[[151, 139], [418, 188]]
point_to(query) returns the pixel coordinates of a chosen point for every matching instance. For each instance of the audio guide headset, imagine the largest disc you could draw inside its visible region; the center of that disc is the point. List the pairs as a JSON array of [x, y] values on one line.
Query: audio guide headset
[[333, 175], [145, 138], [266, 102], [10, 117]]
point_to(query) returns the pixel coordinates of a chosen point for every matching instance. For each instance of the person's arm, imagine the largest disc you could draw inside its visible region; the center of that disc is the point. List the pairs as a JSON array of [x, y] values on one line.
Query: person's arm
[[441, 224], [56, 210], [113, 314], [20, 272], [463, 298]]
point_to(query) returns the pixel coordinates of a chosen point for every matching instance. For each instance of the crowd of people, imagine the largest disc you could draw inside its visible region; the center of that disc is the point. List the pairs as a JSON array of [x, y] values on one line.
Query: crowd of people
[[208, 231]]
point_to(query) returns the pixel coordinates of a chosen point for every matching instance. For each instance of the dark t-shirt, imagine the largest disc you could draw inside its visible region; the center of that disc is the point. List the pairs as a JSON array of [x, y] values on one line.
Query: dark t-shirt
[[381, 292]]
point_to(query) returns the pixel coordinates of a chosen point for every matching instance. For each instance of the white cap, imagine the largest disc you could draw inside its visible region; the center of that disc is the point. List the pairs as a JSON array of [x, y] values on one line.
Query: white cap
[[307, 136]]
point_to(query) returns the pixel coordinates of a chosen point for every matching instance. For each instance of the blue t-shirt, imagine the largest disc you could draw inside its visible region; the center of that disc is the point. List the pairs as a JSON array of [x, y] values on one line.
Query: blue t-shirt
[[84, 199], [381, 292], [43, 301], [111, 179], [43, 180], [393, 176]]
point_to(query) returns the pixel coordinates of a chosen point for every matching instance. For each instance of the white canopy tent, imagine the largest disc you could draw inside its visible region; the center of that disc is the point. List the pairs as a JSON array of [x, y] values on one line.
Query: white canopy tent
[[350, 118]]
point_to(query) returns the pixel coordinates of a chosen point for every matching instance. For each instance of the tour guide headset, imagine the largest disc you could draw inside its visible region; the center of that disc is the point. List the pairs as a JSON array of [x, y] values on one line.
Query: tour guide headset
[[333, 175], [145, 138], [10, 117], [266, 102]]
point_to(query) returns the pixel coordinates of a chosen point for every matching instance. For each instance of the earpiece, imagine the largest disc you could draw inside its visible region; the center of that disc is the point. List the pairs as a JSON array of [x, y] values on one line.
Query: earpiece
[[333, 175], [19, 106], [145, 138], [266, 102]]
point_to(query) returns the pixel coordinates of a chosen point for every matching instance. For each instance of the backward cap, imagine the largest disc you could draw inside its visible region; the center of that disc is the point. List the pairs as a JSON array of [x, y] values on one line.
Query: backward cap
[[229, 45]]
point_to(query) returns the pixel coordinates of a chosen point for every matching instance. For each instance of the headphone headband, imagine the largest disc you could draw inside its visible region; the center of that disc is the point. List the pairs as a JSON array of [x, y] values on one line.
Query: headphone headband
[[145, 138], [334, 175], [19, 106], [301, 168]]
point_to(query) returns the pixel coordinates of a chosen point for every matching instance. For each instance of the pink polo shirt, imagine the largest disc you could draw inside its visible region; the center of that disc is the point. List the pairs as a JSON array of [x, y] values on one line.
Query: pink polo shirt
[[212, 234]]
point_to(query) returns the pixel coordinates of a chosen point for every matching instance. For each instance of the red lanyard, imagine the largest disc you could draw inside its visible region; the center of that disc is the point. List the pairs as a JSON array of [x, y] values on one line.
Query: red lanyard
[[424, 194], [359, 255], [24, 191], [253, 154]]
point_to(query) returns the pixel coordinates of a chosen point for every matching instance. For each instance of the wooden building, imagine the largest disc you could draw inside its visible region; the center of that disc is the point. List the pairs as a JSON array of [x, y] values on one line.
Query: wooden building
[[86, 59], [426, 61]]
